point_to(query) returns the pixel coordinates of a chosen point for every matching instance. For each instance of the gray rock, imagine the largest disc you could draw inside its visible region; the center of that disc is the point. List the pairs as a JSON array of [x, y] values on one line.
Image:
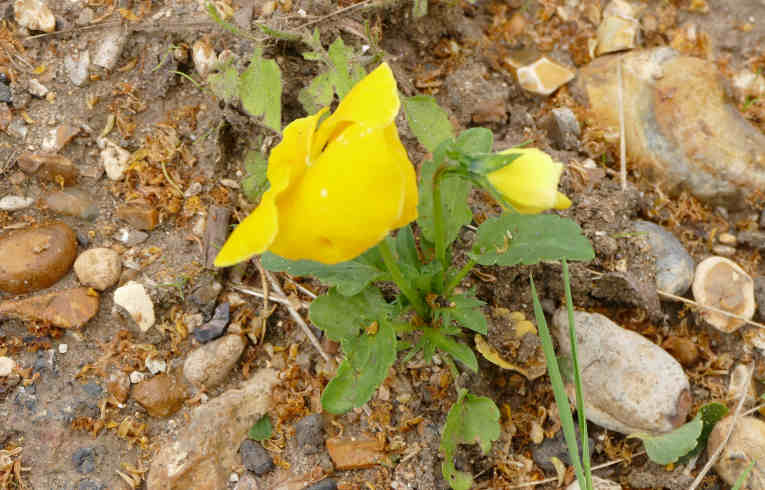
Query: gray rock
[[108, 50], [325, 484], [77, 67], [72, 202], [208, 365], [93, 389], [84, 460], [564, 128], [130, 237], [86, 484], [753, 239], [555, 448], [309, 433], [255, 458], [5, 93], [215, 327], [674, 266]]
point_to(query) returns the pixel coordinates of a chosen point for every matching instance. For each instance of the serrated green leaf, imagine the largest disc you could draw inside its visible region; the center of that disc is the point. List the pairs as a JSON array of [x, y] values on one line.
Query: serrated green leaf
[[368, 359], [467, 312], [427, 120], [343, 317], [454, 194], [277, 34], [261, 430], [475, 141], [225, 84], [512, 239], [457, 350], [317, 94], [348, 277], [340, 57], [472, 419], [668, 448], [260, 89], [256, 182]]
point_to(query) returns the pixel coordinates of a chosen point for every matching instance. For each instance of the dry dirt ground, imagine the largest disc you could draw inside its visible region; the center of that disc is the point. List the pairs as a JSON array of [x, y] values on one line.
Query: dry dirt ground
[[456, 53]]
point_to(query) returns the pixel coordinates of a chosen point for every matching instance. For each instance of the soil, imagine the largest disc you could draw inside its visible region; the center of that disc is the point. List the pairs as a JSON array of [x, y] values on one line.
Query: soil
[[455, 53]]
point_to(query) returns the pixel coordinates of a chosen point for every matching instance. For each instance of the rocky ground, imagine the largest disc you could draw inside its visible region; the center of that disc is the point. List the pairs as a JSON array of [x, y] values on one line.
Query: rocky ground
[[128, 361]]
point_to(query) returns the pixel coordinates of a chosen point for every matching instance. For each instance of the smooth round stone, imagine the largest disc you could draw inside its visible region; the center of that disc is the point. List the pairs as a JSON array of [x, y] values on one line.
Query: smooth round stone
[[36, 257], [746, 444], [98, 268], [6, 366], [674, 266], [723, 284], [208, 366], [631, 384], [161, 395]]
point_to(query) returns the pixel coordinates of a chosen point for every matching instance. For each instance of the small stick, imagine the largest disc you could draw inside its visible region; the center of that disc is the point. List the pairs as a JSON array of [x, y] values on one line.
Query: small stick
[[555, 478], [622, 139], [264, 285], [719, 450], [299, 319], [710, 308], [259, 294]]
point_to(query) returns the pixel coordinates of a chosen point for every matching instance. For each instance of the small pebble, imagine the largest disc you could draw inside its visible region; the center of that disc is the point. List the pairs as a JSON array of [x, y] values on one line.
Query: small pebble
[[564, 128], [65, 308], [674, 266], [155, 366], [109, 48], [204, 56], [233, 477], [160, 395], [136, 377], [118, 384], [98, 268], [77, 67], [37, 89], [309, 433], [84, 460], [683, 349], [142, 216], [255, 458], [130, 237], [216, 327], [14, 203], [114, 160], [544, 76], [746, 444], [619, 28], [6, 366], [721, 283], [72, 202], [52, 168], [134, 298], [727, 239], [724, 250], [93, 389], [63, 348], [35, 15], [325, 484], [208, 366]]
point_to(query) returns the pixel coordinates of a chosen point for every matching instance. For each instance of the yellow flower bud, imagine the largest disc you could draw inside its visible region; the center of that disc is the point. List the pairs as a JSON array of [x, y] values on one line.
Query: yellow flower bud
[[336, 190], [530, 182]]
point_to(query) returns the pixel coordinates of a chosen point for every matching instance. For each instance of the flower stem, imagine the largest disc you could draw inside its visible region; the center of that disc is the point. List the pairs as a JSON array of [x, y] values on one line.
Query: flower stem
[[438, 218], [454, 282], [402, 282]]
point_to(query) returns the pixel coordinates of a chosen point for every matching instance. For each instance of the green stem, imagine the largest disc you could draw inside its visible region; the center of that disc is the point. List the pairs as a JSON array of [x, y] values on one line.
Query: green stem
[[438, 218], [454, 282], [452, 367], [402, 282], [577, 380]]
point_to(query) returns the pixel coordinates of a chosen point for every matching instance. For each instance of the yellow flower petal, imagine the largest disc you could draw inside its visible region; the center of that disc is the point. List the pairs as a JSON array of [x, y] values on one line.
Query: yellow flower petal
[[286, 164], [530, 182], [373, 102], [355, 193]]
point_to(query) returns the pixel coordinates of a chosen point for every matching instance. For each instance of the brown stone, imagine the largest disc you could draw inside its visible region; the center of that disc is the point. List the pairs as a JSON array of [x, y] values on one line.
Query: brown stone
[[543, 76], [682, 349], [54, 168], [70, 308], [64, 134], [203, 453], [118, 385], [348, 453], [142, 216], [36, 257], [161, 395]]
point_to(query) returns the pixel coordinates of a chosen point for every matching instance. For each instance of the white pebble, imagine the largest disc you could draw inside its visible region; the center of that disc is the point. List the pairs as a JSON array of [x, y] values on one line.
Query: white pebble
[[63, 348], [155, 366], [136, 301], [6, 366], [136, 377], [14, 203]]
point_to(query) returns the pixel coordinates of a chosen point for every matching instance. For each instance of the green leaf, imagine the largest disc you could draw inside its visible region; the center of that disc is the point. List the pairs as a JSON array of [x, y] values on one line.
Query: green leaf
[[276, 34], [340, 57], [475, 141], [225, 84], [711, 413], [343, 317], [457, 350], [467, 312], [260, 89], [668, 448], [256, 181], [406, 247], [368, 359], [348, 277], [261, 430], [427, 120], [317, 94], [471, 420], [419, 8], [454, 193], [512, 239]]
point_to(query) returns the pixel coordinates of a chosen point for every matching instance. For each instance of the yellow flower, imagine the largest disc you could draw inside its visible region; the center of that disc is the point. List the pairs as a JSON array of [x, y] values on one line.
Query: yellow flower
[[337, 190], [530, 182]]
